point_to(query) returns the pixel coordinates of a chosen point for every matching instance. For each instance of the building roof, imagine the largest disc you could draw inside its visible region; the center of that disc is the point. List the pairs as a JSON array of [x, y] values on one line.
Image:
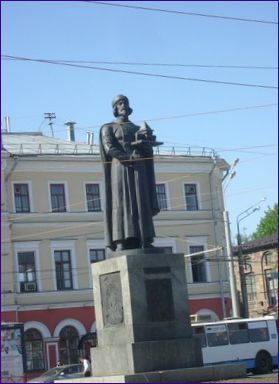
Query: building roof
[[35, 143], [266, 243]]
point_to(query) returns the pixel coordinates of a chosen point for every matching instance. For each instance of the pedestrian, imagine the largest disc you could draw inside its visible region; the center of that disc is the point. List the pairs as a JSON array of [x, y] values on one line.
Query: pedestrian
[[58, 364], [86, 366]]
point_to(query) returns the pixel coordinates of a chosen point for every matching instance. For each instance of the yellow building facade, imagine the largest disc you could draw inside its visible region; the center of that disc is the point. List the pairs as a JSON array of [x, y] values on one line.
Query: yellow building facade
[[52, 230]]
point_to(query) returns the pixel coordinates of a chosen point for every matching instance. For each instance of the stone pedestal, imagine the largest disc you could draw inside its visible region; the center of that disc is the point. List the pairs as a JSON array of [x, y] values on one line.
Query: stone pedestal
[[142, 318]]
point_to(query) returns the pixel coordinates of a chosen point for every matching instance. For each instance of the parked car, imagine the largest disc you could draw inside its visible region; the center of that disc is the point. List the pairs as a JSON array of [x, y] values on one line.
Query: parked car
[[70, 371]]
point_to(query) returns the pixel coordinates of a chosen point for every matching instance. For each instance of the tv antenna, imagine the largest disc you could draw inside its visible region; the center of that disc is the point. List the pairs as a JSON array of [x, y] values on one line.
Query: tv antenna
[[50, 116]]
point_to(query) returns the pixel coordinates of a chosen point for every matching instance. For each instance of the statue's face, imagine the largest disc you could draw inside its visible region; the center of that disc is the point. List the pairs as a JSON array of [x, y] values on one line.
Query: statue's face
[[122, 107]]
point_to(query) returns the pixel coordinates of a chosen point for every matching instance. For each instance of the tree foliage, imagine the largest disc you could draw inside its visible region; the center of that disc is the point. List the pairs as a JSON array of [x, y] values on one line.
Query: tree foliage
[[268, 224]]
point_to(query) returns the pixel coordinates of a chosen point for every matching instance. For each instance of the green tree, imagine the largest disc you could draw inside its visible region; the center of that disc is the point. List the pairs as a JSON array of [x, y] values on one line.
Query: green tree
[[268, 224]]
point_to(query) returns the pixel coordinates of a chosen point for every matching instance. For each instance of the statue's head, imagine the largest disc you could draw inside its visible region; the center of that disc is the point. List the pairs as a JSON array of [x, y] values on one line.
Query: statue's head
[[116, 100]]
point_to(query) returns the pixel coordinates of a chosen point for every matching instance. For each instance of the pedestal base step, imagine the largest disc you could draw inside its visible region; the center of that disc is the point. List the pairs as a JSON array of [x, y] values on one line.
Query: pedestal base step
[[195, 374]]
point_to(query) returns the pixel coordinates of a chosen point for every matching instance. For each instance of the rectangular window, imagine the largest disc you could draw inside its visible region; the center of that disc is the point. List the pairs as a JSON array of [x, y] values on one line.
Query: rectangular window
[[216, 335], [271, 279], [63, 270], [258, 331], [238, 333], [96, 255], [191, 197], [251, 286], [200, 334], [162, 196], [58, 199], [93, 197], [21, 195], [198, 264], [27, 274]]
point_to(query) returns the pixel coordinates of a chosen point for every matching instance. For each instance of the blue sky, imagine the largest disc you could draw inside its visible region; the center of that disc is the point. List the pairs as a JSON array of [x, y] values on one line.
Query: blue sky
[[181, 112]]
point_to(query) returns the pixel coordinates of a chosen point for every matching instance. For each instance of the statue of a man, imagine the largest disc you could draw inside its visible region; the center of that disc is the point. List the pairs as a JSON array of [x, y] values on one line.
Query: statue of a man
[[130, 192]]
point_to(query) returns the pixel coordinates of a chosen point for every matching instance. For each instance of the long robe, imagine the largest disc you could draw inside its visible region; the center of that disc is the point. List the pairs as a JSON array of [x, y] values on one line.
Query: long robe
[[130, 190]]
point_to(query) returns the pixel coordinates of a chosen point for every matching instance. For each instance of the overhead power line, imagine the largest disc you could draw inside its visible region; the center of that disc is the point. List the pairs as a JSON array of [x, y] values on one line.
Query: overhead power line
[[232, 18], [213, 112], [167, 64], [137, 73]]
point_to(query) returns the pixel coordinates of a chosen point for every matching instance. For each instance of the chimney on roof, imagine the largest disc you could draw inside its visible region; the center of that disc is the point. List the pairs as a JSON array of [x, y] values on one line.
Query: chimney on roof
[[71, 130], [7, 124], [90, 138]]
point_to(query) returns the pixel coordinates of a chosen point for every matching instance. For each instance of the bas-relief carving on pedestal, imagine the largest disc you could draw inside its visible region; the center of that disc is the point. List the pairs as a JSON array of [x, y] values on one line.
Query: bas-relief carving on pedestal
[[112, 301]]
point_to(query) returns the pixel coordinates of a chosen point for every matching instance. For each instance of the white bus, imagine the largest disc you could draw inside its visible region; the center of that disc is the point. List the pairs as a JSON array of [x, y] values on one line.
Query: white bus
[[251, 341]]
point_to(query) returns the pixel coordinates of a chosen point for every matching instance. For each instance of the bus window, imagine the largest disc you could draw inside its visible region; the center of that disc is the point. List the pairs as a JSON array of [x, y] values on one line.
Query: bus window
[[258, 331], [238, 333], [199, 333], [216, 335]]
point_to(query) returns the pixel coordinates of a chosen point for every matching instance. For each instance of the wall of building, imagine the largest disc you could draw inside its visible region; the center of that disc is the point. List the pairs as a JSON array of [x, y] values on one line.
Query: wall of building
[[261, 277]]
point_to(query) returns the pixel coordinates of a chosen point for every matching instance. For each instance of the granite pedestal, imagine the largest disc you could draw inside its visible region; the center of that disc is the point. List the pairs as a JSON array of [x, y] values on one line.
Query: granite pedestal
[[142, 318]]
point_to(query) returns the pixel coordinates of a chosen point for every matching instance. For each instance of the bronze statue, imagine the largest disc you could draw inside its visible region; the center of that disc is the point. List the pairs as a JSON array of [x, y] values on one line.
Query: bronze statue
[[130, 191]]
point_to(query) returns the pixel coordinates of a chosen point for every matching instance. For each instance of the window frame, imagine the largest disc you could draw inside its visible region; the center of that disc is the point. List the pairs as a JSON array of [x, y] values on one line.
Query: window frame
[[197, 196], [60, 246], [93, 244], [65, 196], [62, 270], [99, 196], [29, 275], [197, 241], [199, 275], [200, 335], [244, 331], [67, 347], [97, 259], [30, 197], [252, 325], [164, 198], [42, 359], [251, 294], [28, 246], [271, 289], [210, 340]]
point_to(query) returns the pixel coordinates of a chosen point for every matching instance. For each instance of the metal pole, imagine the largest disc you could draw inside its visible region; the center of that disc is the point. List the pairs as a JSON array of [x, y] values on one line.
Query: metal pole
[[242, 275], [234, 296]]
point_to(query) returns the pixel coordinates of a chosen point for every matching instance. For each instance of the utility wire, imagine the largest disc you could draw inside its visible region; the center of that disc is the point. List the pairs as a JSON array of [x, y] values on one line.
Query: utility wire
[[212, 112], [236, 109], [53, 62], [166, 64], [182, 12]]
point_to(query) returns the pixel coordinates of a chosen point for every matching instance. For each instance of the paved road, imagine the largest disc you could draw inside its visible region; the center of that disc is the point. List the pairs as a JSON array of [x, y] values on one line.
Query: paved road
[[267, 378]]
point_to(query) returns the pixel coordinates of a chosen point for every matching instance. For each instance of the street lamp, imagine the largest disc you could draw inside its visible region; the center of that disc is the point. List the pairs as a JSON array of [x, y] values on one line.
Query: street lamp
[[235, 307], [240, 217]]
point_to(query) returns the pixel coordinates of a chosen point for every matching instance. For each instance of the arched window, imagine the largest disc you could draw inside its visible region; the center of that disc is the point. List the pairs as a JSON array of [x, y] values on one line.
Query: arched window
[[68, 345], [34, 350]]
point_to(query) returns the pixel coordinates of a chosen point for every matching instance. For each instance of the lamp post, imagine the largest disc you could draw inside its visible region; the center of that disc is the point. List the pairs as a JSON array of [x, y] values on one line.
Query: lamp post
[[234, 297], [240, 217]]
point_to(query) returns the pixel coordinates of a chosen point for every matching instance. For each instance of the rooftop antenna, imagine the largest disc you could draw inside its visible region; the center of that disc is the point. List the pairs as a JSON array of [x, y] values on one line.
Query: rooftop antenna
[[50, 116]]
